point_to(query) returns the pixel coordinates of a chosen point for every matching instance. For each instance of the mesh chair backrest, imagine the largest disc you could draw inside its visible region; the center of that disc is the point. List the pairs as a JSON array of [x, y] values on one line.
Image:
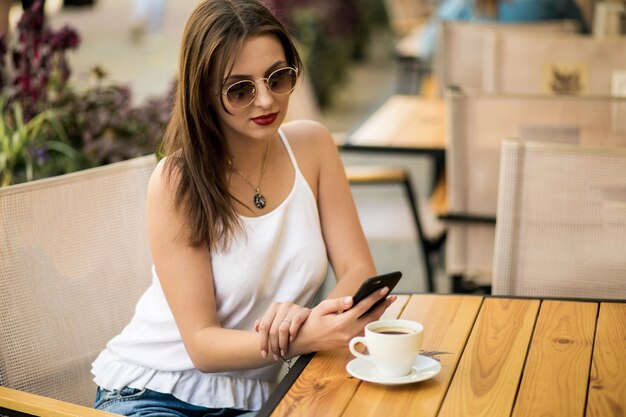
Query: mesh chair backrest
[[478, 124], [561, 228], [74, 261], [465, 50], [554, 63]]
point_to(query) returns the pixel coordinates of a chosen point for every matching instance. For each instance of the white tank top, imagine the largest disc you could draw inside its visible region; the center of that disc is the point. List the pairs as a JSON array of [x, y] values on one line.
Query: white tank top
[[282, 257]]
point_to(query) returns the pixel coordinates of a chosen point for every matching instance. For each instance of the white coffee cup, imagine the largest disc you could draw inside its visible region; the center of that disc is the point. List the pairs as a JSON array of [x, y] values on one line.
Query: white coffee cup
[[393, 345]]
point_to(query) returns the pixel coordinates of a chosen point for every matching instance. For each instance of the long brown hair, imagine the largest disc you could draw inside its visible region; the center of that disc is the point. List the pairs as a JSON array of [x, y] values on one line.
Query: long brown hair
[[194, 144]]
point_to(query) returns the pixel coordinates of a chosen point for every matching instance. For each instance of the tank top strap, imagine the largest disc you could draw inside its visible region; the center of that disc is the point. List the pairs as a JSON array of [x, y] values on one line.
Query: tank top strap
[[289, 151]]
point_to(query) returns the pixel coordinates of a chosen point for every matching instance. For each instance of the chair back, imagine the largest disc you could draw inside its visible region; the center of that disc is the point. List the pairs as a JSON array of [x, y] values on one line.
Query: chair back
[[478, 122], [555, 63], [465, 50], [561, 228], [75, 260]]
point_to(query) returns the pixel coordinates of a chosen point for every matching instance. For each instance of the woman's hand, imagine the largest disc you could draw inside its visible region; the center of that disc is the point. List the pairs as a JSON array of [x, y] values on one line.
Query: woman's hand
[[279, 327], [333, 322]]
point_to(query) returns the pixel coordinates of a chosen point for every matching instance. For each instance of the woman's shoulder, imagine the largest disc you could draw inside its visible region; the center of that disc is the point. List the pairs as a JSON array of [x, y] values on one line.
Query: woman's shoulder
[[307, 134], [164, 179]]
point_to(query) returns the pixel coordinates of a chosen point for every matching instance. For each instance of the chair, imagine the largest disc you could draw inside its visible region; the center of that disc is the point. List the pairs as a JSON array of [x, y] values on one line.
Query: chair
[[465, 50], [75, 260], [478, 122], [430, 239], [561, 228], [553, 63]]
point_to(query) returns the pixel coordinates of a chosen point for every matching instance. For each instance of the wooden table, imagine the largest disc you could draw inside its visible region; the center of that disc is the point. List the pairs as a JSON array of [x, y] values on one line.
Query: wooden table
[[500, 357], [403, 124]]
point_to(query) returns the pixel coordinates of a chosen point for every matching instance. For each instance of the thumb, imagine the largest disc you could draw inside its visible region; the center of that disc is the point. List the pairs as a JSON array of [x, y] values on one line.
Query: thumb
[[335, 305]]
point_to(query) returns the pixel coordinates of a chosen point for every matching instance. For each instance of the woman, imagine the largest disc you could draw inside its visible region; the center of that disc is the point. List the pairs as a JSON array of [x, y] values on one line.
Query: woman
[[243, 217], [507, 11]]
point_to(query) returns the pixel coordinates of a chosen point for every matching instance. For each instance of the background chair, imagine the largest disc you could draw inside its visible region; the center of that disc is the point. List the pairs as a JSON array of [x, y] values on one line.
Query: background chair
[[75, 260], [430, 239], [465, 50], [561, 228], [478, 122], [554, 63]]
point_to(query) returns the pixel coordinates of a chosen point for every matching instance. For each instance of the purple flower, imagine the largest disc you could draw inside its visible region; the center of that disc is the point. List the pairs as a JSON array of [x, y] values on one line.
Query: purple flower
[[39, 63], [39, 154], [66, 38], [33, 19]]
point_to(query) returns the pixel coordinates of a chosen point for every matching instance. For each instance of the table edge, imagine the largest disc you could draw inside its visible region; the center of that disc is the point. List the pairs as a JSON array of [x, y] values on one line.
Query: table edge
[[285, 385], [438, 152]]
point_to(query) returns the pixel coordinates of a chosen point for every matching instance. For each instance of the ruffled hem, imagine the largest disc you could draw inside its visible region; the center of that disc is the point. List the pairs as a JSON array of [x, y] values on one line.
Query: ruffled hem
[[191, 386]]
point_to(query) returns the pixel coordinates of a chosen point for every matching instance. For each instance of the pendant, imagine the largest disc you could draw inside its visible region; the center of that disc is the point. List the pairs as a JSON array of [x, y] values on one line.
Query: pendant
[[259, 200]]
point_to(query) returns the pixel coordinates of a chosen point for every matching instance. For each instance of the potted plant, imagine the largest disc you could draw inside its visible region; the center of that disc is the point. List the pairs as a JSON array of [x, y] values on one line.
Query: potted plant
[[21, 151], [48, 127]]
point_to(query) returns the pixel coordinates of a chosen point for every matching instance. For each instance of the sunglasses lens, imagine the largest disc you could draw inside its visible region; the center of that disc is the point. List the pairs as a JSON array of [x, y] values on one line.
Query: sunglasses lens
[[282, 81], [241, 94]]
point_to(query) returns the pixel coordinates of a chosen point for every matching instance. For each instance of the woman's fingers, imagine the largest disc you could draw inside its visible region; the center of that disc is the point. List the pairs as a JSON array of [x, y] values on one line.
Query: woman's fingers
[[274, 328], [288, 328], [296, 322], [334, 305], [283, 337], [364, 305], [264, 328], [376, 313], [289, 316]]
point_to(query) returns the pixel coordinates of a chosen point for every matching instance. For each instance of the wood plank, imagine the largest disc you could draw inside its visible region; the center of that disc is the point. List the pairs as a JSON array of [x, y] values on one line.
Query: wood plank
[[488, 374], [405, 121], [447, 321], [607, 388], [38, 405], [557, 369], [325, 387]]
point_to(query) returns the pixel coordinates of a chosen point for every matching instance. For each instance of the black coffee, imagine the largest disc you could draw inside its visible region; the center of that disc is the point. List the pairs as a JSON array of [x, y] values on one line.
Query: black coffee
[[393, 330]]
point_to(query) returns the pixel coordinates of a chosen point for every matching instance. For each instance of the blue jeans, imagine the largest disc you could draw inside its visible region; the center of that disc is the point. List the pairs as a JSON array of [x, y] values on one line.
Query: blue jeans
[[146, 403]]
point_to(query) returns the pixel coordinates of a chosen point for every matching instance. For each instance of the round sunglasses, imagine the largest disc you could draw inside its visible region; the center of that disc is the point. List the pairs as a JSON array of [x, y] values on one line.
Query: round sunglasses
[[242, 93]]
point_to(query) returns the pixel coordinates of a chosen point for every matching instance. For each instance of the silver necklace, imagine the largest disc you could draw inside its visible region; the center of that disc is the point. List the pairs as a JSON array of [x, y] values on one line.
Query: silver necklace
[[259, 199]]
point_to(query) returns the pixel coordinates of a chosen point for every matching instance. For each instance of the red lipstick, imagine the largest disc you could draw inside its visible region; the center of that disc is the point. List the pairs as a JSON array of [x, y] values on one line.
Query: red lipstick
[[266, 119]]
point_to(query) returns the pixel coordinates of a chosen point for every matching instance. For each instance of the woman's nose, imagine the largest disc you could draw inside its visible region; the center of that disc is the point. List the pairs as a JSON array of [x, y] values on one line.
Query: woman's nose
[[264, 96]]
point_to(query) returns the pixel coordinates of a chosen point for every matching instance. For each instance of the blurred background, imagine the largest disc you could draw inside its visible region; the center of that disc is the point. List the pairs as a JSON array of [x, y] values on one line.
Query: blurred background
[[110, 65]]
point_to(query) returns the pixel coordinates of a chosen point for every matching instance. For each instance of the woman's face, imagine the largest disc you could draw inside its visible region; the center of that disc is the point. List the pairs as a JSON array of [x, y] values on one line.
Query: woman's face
[[258, 58]]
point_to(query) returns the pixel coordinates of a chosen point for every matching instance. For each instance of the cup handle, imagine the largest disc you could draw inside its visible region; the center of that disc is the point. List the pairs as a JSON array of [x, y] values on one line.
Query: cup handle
[[353, 343]]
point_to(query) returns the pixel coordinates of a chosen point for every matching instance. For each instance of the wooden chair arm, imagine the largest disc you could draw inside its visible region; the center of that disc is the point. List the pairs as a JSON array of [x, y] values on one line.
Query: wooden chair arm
[[38, 405]]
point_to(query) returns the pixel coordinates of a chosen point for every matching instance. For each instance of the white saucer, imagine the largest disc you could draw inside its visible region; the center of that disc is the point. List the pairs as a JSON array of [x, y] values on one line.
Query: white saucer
[[423, 368]]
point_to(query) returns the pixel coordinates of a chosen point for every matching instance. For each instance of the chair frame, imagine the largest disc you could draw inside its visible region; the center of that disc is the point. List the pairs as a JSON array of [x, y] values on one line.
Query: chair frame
[[376, 175]]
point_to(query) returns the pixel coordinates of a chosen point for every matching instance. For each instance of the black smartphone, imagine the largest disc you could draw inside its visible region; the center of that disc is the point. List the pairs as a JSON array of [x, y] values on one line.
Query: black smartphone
[[373, 284]]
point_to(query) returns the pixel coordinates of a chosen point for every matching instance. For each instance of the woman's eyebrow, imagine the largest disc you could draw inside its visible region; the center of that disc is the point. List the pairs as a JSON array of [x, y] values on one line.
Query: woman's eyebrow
[[272, 68]]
